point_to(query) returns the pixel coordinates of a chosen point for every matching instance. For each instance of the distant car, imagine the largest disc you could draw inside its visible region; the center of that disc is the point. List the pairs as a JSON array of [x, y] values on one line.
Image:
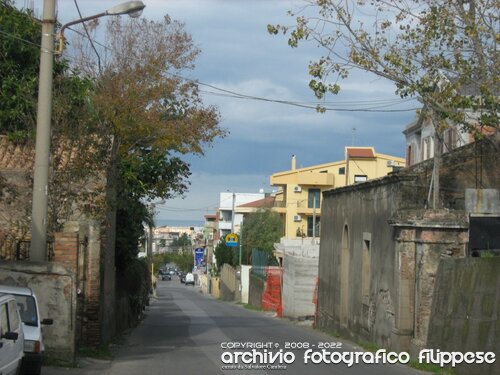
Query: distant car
[[166, 276], [11, 336], [32, 327], [189, 279]]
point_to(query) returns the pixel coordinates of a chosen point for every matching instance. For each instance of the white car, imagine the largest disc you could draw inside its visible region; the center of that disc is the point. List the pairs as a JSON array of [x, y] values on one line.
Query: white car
[[11, 336], [189, 279], [27, 305]]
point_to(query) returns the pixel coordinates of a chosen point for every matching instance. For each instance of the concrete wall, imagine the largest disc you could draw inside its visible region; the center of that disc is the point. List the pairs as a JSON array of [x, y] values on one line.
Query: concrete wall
[[55, 288], [465, 312], [245, 283], [203, 282], [300, 271], [215, 287], [229, 285]]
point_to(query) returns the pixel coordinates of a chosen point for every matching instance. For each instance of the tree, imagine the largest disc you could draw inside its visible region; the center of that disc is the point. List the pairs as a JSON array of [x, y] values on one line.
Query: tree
[[442, 51], [224, 254], [181, 243], [73, 124], [260, 230], [152, 115], [19, 63]]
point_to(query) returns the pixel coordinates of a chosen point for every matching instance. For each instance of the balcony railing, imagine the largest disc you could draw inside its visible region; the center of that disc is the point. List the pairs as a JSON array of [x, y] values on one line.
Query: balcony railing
[[280, 204]]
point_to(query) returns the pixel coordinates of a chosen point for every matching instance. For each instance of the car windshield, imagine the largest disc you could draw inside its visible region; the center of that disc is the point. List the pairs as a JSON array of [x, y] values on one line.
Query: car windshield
[[27, 309]]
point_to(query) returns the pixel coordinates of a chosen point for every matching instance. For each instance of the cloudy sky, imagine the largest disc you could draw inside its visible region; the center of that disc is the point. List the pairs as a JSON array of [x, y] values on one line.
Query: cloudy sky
[[239, 55]]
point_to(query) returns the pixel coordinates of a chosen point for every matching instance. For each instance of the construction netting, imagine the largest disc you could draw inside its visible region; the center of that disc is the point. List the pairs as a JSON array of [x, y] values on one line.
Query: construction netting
[[271, 298]]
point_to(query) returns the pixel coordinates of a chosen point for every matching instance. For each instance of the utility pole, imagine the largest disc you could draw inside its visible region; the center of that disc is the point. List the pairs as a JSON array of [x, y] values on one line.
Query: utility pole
[[232, 214], [38, 247], [314, 217]]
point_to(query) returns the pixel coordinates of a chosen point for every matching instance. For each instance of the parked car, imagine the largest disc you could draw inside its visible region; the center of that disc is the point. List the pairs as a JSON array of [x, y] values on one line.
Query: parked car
[[189, 279], [27, 305], [182, 277], [11, 336]]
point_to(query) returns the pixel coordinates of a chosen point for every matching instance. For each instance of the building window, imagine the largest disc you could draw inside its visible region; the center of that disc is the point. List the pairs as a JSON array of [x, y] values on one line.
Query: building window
[[360, 178], [314, 198], [342, 170], [310, 226]]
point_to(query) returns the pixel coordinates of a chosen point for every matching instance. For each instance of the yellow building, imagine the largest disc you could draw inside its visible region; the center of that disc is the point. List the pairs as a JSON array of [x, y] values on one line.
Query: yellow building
[[298, 198]]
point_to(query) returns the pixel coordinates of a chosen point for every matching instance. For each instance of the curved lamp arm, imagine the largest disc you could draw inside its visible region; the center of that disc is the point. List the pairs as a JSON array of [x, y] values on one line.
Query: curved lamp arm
[[132, 8]]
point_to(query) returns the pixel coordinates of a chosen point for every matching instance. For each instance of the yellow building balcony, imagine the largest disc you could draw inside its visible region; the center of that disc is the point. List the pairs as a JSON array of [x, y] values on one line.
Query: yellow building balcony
[[316, 178], [279, 206], [303, 208]]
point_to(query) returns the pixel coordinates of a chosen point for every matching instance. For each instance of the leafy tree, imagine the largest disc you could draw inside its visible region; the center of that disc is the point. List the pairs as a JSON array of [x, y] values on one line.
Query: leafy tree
[[184, 261], [181, 244], [443, 51], [19, 62], [152, 114], [19, 68], [73, 121], [260, 230], [224, 254]]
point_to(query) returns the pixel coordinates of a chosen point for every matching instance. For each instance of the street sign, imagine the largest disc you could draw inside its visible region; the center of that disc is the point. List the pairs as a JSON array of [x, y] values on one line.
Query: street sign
[[232, 240], [198, 256]]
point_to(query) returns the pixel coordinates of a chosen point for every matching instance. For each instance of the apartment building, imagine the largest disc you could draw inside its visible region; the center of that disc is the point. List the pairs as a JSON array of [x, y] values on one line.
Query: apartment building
[[299, 190]]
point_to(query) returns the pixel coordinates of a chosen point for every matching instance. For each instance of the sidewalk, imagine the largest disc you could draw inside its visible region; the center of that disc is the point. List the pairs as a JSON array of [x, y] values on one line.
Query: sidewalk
[[85, 366]]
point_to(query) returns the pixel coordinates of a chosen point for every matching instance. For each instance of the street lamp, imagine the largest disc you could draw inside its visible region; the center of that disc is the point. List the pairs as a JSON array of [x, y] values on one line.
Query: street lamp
[[132, 8], [38, 249]]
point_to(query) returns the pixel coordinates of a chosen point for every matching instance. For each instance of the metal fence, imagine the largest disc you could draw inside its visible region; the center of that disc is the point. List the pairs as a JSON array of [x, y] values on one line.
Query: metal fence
[[260, 260], [19, 249]]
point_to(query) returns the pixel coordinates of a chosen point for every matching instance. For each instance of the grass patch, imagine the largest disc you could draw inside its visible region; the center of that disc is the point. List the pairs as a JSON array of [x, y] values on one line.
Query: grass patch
[[431, 367], [56, 362], [99, 352], [251, 307], [368, 346]]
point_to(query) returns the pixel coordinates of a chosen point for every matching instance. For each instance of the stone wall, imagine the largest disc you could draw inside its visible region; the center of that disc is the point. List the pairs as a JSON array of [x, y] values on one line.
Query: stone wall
[[465, 314], [380, 248], [55, 288]]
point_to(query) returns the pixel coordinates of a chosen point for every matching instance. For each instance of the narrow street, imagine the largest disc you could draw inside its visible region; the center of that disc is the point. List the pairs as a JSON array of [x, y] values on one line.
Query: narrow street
[[184, 331]]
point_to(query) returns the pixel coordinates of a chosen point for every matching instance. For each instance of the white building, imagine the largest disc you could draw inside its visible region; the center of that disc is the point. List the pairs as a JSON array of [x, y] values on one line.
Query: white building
[[227, 202]]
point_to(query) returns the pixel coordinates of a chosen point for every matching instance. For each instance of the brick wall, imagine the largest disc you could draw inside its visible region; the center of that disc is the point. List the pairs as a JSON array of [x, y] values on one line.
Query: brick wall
[[66, 249]]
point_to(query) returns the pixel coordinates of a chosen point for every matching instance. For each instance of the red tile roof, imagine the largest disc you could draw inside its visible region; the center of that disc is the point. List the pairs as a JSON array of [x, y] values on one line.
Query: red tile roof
[[266, 202], [360, 153]]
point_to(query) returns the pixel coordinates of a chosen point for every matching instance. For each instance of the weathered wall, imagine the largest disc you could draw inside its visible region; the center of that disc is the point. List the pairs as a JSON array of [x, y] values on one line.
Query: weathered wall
[[215, 287], [245, 283], [229, 285], [403, 251], [55, 288], [255, 291], [465, 312], [300, 271], [351, 216]]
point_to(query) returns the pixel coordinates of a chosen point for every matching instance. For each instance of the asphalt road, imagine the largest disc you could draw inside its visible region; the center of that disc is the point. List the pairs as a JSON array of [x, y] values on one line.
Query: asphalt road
[[184, 331]]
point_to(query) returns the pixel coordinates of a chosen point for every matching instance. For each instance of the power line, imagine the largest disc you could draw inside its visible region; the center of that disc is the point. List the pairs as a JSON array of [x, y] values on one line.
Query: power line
[[88, 36], [237, 95]]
